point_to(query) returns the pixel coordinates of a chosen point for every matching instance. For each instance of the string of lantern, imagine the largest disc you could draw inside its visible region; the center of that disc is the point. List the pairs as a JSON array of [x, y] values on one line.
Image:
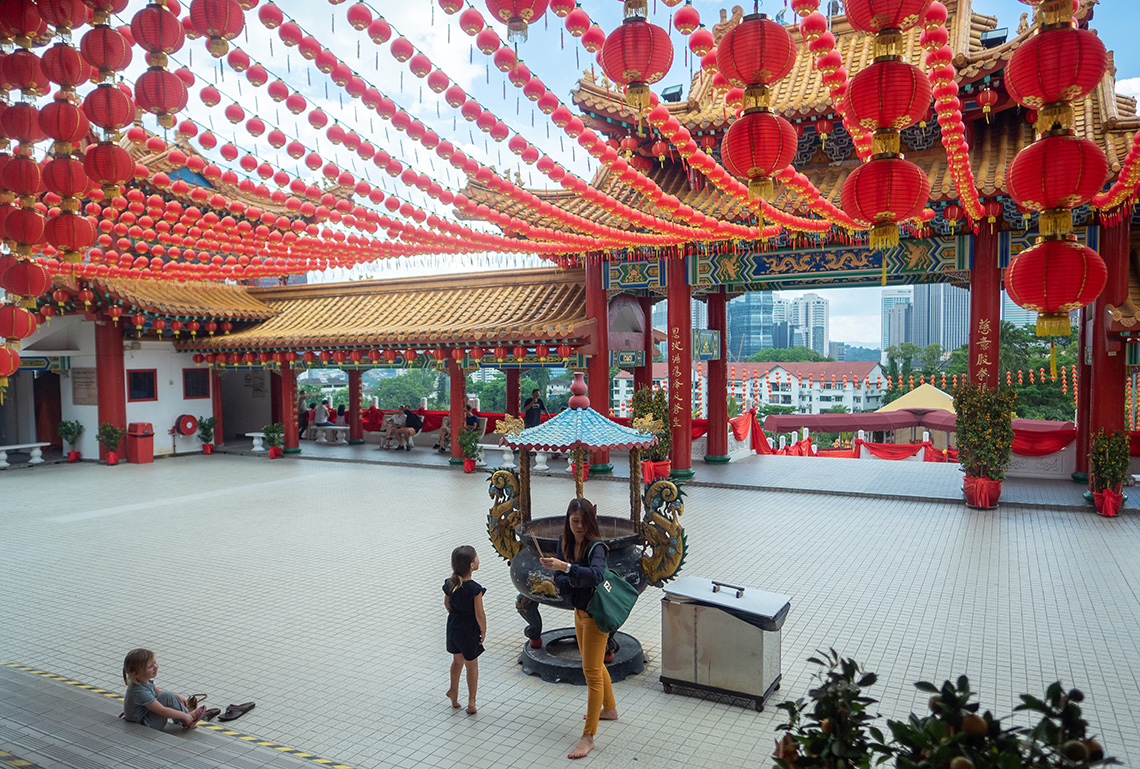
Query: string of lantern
[[1057, 172], [1116, 202]]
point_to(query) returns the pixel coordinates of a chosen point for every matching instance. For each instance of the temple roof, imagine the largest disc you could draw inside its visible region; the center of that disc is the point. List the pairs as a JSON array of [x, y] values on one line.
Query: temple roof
[[510, 306], [191, 299]]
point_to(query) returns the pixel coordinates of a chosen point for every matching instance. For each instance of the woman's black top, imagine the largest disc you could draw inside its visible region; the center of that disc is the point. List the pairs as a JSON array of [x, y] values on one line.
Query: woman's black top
[[584, 576]]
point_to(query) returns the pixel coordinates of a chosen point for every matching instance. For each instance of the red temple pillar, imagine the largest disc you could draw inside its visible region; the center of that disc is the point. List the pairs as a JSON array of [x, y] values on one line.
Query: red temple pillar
[[287, 397], [110, 379], [1082, 387], [514, 376], [718, 384], [643, 375], [680, 370], [216, 404], [458, 400], [355, 423], [1107, 388], [985, 308], [598, 366], [278, 408]]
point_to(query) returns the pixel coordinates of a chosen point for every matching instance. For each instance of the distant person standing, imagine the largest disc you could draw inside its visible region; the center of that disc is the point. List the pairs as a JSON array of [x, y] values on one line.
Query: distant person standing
[[533, 410], [302, 415]]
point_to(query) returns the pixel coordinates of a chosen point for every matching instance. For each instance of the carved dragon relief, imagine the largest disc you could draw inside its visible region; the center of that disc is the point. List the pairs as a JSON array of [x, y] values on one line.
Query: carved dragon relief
[[725, 25], [665, 541], [505, 514]]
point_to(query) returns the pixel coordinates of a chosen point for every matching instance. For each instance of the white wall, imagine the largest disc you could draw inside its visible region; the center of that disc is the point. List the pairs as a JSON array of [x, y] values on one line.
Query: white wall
[[164, 412], [82, 335]]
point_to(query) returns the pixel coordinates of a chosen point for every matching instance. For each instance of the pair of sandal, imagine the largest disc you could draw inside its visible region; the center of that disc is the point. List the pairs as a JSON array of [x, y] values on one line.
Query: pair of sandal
[[236, 711]]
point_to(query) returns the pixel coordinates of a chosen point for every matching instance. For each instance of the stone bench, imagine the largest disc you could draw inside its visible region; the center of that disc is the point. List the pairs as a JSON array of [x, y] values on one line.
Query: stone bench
[[321, 434], [508, 459], [34, 449], [257, 441]]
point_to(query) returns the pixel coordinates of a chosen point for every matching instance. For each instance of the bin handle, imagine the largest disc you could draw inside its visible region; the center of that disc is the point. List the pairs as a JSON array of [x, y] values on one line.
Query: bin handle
[[718, 585]]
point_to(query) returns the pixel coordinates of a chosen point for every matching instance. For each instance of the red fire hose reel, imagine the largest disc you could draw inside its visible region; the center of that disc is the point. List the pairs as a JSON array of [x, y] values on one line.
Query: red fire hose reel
[[186, 425]]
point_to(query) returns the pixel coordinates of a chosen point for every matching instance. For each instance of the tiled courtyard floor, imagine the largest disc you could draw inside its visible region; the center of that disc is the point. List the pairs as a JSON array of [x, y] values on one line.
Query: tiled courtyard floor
[[313, 588]]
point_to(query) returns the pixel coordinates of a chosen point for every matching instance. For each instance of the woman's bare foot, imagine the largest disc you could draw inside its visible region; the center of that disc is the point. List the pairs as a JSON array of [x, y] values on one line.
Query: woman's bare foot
[[453, 696], [471, 709], [608, 714], [582, 748]]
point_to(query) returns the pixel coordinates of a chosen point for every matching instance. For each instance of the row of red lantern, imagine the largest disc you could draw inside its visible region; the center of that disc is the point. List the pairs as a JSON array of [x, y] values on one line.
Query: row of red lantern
[[1058, 172], [472, 111], [827, 60], [1111, 201], [948, 108], [389, 355], [670, 128], [888, 95]]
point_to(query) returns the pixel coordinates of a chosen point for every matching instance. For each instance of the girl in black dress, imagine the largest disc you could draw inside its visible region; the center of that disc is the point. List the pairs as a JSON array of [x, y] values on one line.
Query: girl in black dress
[[466, 623]]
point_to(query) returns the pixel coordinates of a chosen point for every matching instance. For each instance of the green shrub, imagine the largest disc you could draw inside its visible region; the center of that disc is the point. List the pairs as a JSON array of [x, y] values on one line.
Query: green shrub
[[647, 402]]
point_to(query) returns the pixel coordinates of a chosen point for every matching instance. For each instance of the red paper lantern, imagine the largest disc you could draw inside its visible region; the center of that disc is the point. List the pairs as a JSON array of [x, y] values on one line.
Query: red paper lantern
[[755, 52], [517, 15], [63, 65], [402, 49], [519, 352], [1053, 278], [27, 279], [1056, 65], [105, 49], [882, 193], [157, 30], [219, 20], [635, 55], [16, 322], [410, 355], [108, 107], [877, 15], [359, 16], [686, 19], [1056, 172], [756, 147], [9, 364], [577, 22], [161, 93], [888, 93], [108, 165]]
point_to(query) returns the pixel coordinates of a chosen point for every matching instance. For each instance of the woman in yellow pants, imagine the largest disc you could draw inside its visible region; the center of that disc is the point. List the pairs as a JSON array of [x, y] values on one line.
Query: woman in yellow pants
[[582, 544]]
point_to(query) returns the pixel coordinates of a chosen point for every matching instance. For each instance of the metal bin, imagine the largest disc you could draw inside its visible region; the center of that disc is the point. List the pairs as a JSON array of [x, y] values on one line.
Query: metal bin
[[721, 638]]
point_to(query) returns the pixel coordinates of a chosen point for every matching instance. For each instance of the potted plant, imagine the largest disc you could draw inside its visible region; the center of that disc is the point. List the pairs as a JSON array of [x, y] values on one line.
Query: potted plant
[[654, 406], [1108, 469], [70, 432], [206, 433], [985, 440], [274, 438], [953, 734], [832, 728], [469, 447], [110, 437]]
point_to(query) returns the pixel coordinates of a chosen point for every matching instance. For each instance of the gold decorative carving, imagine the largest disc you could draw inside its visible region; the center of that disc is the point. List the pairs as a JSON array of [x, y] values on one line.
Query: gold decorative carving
[[722, 27]]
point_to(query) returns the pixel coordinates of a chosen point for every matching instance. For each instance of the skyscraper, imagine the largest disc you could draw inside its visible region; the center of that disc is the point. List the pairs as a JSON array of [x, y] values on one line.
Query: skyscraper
[[1018, 316], [749, 321], [891, 297], [809, 315], [900, 325], [941, 315]]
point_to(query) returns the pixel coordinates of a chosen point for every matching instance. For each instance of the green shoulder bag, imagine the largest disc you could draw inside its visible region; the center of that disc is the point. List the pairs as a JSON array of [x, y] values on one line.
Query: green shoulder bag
[[612, 602]]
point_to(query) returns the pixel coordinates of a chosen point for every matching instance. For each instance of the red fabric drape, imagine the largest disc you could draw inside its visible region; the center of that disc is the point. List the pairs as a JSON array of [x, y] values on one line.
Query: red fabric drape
[[433, 420], [981, 492], [741, 425], [837, 453], [889, 450], [1108, 502], [759, 441], [1038, 443]]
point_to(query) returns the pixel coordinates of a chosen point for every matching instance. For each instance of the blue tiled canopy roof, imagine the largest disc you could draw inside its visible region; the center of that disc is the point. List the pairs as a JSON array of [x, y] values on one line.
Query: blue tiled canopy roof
[[579, 428]]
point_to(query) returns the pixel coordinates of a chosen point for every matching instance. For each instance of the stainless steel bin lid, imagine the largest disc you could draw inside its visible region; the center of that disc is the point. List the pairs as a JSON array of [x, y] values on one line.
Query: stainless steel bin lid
[[756, 607]]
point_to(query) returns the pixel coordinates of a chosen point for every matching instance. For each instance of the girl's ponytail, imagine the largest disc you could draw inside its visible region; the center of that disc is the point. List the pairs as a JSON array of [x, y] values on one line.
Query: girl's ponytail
[[462, 559]]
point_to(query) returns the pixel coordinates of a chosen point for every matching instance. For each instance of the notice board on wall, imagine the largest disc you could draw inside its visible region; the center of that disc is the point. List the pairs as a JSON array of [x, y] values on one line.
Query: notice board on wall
[[84, 389]]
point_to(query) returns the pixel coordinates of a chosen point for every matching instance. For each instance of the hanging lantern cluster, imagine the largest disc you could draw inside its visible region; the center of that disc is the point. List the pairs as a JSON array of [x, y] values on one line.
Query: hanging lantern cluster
[[1059, 171], [828, 61], [636, 55], [885, 97], [159, 91], [753, 55], [219, 21]]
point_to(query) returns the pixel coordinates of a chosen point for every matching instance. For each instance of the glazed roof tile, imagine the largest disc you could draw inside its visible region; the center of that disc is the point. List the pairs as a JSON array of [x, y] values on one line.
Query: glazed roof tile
[[196, 299], [507, 306], [579, 428]]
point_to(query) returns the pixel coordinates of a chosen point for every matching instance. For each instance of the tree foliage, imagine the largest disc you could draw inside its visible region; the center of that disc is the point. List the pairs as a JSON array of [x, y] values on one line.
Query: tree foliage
[[857, 354], [788, 355], [408, 387]]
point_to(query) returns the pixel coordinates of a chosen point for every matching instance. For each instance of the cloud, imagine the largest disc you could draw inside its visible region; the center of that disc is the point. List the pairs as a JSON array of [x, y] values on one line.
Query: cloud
[[1129, 86]]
